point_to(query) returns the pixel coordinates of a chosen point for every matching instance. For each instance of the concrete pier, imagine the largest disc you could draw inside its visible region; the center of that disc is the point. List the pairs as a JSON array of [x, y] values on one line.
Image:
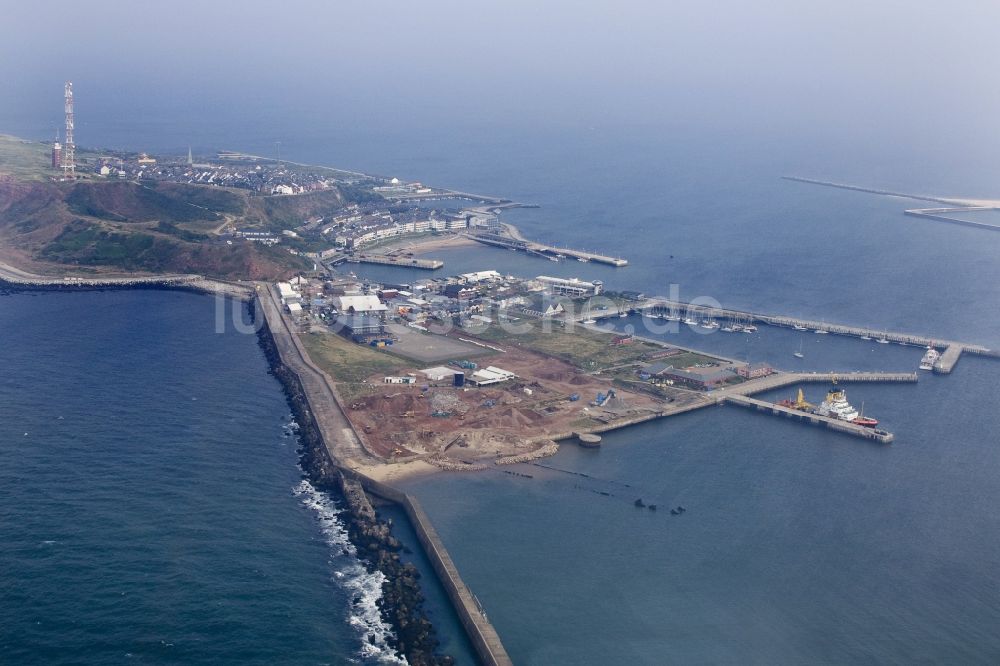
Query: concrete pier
[[873, 434], [953, 349], [393, 260], [782, 379], [945, 215], [517, 242]]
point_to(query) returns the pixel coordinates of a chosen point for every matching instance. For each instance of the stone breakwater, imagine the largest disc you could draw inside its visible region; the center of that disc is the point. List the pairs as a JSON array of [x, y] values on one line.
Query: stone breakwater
[[15, 279], [546, 451], [402, 599], [457, 466]]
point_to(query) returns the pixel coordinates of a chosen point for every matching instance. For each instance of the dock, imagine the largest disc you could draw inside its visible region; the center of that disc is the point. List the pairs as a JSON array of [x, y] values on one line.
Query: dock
[[782, 379], [873, 434], [393, 260], [953, 349], [548, 251]]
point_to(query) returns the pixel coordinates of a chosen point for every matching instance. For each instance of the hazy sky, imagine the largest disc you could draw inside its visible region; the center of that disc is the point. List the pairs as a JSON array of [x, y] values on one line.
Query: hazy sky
[[900, 67]]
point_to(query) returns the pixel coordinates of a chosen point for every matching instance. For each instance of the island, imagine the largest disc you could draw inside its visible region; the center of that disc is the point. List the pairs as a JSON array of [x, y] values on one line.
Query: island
[[458, 373]]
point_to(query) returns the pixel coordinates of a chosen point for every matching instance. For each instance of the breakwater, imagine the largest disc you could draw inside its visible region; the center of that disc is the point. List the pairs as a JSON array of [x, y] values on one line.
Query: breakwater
[[936, 214], [953, 349], [330, 452], [14, 279], [867, 190], [402, 599], [945, 215], [846, 427]]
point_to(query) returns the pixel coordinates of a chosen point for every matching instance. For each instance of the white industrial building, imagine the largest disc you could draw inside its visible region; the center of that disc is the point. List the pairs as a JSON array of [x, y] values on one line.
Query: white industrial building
[[572, 287], [359, 303], [490, 375], [480, 276], [439, 373], [287, 293]]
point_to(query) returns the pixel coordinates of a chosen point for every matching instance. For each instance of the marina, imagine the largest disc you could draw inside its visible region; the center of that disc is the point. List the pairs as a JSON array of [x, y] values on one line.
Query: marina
[[944, 365]]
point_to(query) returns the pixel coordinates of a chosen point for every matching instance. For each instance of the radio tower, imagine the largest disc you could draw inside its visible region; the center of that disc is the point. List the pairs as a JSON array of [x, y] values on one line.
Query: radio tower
[[69, 147]]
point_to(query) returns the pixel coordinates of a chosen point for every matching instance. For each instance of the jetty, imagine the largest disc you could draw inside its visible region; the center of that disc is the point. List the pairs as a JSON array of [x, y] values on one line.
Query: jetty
[[542, 250], [953, 349], [946, 215], [870, 190], [345, 450], [17, 278], [782, 379], [395, 260], [954, 205], [740, 395], [846, 427]]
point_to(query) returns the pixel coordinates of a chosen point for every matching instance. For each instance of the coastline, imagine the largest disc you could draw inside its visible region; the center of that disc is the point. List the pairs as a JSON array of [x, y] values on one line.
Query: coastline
[[333, 457], [15, 279], [402, 598]]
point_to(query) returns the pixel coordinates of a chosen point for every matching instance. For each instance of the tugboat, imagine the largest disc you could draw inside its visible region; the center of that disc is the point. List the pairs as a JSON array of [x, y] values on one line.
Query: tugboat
[[863, 420], [930, 358]]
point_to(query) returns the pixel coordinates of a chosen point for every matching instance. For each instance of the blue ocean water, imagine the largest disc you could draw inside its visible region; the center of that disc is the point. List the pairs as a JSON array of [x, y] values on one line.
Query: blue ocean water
[[151, 506], [799, 545]]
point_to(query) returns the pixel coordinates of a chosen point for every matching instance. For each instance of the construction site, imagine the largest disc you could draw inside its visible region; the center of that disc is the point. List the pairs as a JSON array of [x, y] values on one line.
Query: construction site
[[438, 416]]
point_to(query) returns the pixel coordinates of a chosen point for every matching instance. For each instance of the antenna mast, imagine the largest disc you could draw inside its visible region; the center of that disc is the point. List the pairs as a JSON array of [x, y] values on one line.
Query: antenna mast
[[69, 149]]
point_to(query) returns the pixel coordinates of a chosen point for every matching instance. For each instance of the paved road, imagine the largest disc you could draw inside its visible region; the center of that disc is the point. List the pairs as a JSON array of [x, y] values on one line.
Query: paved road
[[341, 440]]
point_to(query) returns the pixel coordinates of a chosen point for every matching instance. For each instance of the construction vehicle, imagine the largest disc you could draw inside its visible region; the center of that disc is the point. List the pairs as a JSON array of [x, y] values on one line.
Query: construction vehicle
[[799, 403], [602, 398], [574, 397]]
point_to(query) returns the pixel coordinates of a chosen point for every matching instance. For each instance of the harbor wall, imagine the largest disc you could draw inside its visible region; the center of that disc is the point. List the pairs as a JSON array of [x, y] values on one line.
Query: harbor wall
[[323, 469], [483, 636], [197, 286]]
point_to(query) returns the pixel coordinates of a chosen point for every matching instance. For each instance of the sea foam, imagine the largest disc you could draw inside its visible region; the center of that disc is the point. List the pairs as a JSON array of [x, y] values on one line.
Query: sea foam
[[363, 587]]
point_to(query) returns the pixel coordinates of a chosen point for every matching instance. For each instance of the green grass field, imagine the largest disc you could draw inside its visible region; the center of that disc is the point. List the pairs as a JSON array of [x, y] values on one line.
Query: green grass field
[[347, 362], [29, 160], [585, 349]]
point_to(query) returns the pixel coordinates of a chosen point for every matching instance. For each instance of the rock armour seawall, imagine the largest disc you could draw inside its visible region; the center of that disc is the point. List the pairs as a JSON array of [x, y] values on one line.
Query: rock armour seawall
[[324, 471], [402, 599]]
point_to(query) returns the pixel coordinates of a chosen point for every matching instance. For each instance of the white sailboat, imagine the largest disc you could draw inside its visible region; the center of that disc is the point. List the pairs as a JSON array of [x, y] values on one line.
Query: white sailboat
[[799, 353]]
